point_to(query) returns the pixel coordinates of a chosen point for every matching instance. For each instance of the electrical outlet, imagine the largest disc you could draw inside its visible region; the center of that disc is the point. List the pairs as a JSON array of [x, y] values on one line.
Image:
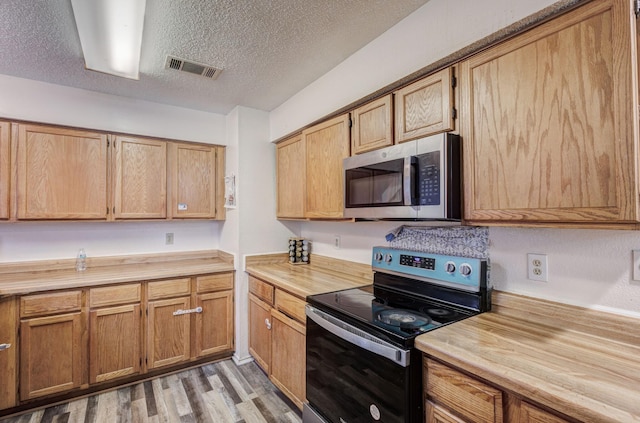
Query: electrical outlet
[[168, 238], [336, 242], [537, 269], [636, 265]]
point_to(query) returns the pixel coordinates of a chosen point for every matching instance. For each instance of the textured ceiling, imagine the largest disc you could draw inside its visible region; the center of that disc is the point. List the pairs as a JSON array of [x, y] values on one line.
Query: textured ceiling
[[268, 49]]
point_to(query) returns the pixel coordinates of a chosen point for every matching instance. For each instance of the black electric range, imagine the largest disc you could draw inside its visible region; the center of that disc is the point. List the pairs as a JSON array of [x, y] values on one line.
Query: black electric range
[[361, 364]]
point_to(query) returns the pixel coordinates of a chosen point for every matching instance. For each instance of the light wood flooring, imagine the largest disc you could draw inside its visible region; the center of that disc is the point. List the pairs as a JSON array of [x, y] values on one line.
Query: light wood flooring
[[215, 393]]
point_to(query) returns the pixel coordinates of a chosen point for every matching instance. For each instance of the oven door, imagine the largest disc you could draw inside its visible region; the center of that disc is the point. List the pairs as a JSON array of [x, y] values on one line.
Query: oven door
[[353, 377]]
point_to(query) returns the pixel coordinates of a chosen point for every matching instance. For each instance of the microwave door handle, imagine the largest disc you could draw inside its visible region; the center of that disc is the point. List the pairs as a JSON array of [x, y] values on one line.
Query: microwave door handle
[[407, 181]]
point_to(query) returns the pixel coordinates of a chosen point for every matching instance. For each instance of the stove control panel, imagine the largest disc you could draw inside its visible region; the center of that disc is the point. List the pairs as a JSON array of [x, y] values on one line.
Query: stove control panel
[[461, 272]]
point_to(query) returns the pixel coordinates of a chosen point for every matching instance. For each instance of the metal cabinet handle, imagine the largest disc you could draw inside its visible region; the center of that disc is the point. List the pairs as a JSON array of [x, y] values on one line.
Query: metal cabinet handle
[[268, 323], [4, 347], [193, 310]]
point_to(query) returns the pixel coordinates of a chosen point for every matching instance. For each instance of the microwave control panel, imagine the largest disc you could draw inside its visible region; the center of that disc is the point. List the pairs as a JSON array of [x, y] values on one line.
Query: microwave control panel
[[429, 179]]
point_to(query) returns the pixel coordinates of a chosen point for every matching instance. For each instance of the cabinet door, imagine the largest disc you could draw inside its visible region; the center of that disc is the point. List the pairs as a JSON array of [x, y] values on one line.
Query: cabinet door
[[260, 332], [214, 325], [61, 173], [290, 175], [549, 122], [51, 355], [193, 181], [114, 342], [425, 107], [326, 145], [532, 414], [288, 359], [139, 178], [5, 166], [8, 352], [436, 414], [168, 335], [372, 125]]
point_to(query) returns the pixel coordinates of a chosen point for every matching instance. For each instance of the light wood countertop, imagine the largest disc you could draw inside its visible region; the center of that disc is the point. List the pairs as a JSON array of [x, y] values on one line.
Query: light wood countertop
[[323, 274], [579, 362], [25, 278]]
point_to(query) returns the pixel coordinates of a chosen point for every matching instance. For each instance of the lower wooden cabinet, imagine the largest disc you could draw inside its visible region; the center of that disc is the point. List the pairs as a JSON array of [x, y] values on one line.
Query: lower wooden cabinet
[[51, 355], [52, 344], [115, 321], [66, 341], [260, 332], [288, 339], [168, 334], [214, 325], [277, 337], [8, 352], [454, 397]]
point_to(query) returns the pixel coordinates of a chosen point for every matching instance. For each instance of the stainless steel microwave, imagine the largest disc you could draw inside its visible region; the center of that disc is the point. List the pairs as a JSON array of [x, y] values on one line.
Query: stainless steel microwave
[[415, 180]]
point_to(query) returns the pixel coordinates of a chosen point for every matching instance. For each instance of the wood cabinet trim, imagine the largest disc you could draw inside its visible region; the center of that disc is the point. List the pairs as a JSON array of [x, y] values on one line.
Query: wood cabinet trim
[[215, 282], [168, 288], [114, 295], [50, 303], [290, 305], [262, 290]]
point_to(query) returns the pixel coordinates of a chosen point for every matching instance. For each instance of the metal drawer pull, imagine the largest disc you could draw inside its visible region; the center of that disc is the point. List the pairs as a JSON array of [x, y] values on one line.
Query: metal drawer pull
[[192, 310], [4, 347], [268, 323]]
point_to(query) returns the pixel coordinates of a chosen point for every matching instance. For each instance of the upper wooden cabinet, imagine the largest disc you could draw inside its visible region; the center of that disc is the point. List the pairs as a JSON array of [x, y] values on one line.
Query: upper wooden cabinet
[[61, 173], [425, 107], [5, 166], [372, 125], [326, 145], [550, 122], [139, 178], [290, 174], [193, 176]]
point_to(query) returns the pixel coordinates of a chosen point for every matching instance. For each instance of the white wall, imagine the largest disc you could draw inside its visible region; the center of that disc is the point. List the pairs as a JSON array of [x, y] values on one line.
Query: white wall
[[586, 267], [23, 99], [251, 227]]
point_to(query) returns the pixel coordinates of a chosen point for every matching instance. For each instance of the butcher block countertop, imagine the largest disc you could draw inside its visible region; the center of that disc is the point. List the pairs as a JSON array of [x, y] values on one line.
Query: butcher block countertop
[[24, 278], [323, 274], [580, 362]]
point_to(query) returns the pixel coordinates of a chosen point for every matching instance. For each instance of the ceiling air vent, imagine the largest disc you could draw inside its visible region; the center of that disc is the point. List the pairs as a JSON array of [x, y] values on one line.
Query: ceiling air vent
[[205, 71]]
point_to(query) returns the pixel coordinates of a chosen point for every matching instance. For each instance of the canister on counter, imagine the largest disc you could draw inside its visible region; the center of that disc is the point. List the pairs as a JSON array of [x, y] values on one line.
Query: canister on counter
[[299, 251]]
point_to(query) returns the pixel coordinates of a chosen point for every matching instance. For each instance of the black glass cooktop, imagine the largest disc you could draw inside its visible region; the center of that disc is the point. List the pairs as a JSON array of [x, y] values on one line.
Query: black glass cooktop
[[396, 316]]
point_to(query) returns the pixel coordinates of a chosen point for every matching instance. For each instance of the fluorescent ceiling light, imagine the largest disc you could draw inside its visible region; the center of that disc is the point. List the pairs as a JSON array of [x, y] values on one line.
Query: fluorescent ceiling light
[[111, 34]]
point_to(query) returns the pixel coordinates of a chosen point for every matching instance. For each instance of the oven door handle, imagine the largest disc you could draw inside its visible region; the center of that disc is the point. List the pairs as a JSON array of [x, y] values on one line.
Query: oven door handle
[[358, 337]]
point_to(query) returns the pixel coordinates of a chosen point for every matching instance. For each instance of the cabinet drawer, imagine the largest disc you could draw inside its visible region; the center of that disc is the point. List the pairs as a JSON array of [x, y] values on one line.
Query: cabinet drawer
[[260, 289], [112, 295], [216, 282], [472, 399], [290, 305], [50, 303], [170, 288]]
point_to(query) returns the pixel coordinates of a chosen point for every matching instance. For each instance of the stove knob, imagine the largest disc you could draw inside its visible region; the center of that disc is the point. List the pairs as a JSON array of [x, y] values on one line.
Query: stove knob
[[465, 269], [450, 267], [377, 257], [388, 258]]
